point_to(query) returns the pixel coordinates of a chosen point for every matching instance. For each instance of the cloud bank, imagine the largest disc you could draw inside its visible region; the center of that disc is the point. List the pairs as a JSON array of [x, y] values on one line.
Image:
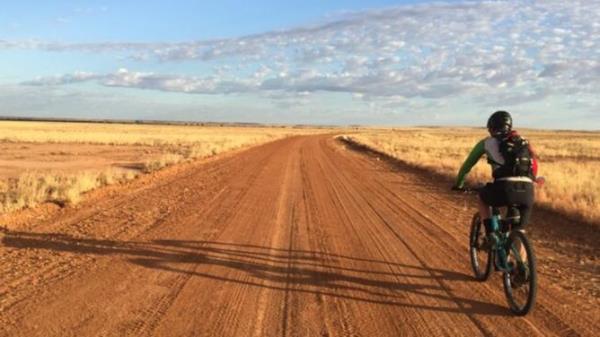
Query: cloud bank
[[492, 52]]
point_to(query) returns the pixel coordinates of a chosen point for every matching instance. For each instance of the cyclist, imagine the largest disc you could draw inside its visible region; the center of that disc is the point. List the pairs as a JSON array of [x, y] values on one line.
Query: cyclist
[[514, 168]]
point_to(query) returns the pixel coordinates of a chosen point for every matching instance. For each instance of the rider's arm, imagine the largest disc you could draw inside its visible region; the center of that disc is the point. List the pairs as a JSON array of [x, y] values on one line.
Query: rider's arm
[[477, 152]]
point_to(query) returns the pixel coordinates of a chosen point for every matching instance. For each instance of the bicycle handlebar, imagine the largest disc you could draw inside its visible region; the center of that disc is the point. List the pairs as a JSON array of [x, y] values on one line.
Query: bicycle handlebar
[[469, 189]]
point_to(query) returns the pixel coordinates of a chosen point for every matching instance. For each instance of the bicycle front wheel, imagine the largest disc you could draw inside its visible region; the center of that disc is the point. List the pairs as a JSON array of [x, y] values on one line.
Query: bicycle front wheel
[[520, 282], [481, 258]]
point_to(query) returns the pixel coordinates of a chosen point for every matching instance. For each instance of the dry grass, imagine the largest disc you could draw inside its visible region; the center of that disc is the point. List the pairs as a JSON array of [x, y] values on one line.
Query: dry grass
[[569, 161], [162, 162], [176, 144], [211, 137], [33, 188]]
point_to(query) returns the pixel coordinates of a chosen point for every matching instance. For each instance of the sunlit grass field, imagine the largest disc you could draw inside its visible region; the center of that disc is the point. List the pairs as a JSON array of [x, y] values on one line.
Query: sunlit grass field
[[569, 160], [175, 144], [208, 138]]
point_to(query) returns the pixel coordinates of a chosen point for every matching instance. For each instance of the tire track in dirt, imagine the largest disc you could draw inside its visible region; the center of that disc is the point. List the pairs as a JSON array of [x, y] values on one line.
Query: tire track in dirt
[[299, 237], [16, 239], [149, 320], [284, 215], [51, 270], [380, 249], [255, 225]]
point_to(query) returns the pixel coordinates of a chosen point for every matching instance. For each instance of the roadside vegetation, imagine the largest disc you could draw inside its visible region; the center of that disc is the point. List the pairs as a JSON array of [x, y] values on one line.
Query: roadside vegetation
[[175, 144], [32, 188], [570, 161]]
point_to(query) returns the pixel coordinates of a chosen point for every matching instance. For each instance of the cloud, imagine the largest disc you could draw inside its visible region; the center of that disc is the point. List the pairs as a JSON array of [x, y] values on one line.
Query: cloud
[[79, 76], [140, 80], [515, 50]]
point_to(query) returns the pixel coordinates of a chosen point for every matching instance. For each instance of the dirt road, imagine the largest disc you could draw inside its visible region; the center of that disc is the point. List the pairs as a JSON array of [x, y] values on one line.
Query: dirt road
[[299, 237]]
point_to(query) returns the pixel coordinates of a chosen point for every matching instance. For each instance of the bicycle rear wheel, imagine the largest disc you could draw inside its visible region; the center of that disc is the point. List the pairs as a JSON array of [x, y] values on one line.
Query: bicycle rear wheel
[[520, 283], [481, 259]]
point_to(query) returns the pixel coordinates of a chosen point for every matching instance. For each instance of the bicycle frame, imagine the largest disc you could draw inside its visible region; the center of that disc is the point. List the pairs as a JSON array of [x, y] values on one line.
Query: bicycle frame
[[502, 228], [509, 251]]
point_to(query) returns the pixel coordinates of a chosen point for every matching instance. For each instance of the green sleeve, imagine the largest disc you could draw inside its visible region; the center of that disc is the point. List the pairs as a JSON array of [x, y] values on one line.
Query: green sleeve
[[477, 152]]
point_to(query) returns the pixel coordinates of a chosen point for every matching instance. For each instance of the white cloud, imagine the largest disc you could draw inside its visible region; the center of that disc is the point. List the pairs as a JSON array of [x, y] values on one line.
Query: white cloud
[[79, 76], [130, 79], [516, 50]]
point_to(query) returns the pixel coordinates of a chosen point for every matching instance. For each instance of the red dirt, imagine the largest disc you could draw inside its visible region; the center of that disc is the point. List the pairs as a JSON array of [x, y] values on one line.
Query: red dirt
[[299, 237]]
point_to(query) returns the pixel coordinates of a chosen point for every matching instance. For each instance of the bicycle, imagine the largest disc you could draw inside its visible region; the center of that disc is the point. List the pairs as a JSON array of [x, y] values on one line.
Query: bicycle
[[511, 253]]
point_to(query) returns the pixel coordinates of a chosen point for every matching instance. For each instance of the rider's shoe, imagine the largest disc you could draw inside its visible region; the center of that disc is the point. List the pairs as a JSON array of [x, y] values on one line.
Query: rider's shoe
[[519, 275]]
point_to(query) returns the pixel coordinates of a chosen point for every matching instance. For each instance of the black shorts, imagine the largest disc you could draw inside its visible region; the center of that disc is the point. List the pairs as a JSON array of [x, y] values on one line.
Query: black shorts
[[507, 193]]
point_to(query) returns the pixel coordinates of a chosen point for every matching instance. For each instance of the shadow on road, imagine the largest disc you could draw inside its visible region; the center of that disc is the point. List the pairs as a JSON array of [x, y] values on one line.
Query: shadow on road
[[292, 271]]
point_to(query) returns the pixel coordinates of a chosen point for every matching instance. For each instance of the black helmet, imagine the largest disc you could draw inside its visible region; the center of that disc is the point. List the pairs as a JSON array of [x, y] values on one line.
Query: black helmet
[[499, 123]]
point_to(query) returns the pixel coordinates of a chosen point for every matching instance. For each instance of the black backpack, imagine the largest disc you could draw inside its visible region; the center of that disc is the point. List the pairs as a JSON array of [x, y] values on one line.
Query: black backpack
[[518, 159]]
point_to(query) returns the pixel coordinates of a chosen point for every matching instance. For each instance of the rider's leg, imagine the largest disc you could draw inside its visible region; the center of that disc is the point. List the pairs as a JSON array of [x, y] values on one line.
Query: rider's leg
[[522, 252], [484, 210], [491, 195], [523, 195], [525, 211], [485, 213]]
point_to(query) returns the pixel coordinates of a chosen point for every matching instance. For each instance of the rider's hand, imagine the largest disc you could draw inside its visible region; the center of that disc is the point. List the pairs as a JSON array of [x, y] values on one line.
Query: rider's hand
[[540, 181]]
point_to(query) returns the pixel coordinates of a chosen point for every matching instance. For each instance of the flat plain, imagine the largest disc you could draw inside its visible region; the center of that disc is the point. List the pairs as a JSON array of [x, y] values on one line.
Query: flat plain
[[59, 162], [303, 235]]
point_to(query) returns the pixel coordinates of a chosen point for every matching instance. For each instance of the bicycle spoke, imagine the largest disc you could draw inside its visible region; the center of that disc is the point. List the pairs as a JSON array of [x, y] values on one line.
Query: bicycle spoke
[[480, 257], [519, 281]]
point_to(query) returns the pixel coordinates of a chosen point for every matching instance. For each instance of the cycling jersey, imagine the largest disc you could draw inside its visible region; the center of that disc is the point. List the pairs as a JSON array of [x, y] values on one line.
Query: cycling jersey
[[504, 191], [490, 146]]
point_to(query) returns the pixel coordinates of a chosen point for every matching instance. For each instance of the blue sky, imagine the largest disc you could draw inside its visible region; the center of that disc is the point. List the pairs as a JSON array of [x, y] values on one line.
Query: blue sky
[[150, 21], [319, 62]]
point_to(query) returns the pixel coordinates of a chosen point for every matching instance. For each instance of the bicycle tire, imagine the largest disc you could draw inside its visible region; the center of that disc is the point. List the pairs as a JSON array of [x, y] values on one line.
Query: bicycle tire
[[481, 269], [530, 274]]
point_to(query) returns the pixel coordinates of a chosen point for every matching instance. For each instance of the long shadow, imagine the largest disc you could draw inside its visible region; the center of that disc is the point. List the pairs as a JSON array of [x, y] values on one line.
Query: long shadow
[[298, 271], [300, 256]]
